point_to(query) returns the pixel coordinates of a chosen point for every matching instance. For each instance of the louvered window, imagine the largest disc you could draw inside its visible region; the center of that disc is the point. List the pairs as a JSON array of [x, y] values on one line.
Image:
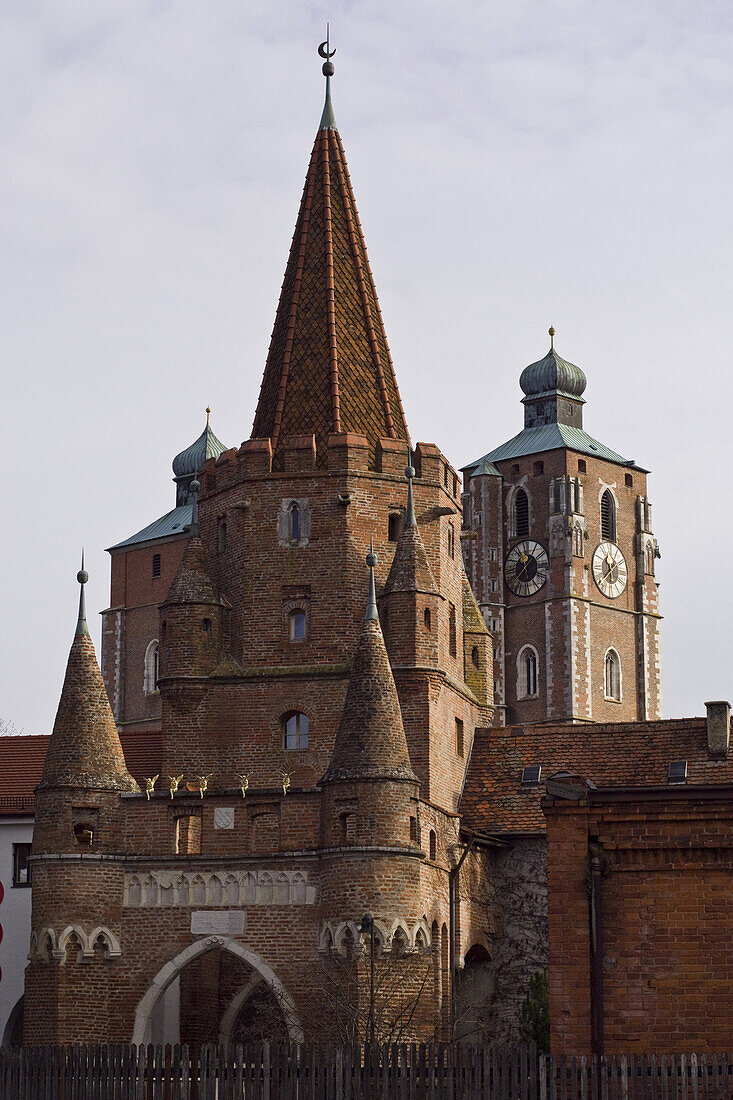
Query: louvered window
[[521, 514], [608, 517]]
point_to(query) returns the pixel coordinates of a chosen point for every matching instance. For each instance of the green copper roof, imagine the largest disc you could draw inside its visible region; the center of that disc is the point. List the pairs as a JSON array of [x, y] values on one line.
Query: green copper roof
[[328, 118], [193, 458], [172, 523], [548, 437], [552, 375]]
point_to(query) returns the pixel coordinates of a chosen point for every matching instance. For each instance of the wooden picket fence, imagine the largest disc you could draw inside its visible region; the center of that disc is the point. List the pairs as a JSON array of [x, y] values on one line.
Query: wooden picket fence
[[372, 1072]]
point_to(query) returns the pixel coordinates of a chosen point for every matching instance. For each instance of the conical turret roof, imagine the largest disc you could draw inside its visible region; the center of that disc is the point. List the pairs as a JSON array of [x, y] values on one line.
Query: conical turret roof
[[192, 583], [371, 742], [84, 750], [328, 369], [410, 570]]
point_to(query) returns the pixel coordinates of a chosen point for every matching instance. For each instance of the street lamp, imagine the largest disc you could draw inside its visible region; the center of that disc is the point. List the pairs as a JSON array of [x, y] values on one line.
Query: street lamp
[[367, 925]]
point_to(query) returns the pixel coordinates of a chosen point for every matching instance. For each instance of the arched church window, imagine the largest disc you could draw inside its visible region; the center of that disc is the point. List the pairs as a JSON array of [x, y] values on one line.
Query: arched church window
[[527, 664], [297, 625], [612, 674], [294, 523], [521, 514], [608, 517], [152, 656], [295, 730]]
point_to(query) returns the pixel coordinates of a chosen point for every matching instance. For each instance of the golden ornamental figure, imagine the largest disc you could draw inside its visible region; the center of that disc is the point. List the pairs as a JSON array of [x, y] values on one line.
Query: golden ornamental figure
[[203, 784], [150, 785], [174, 782], [243, 783], [286, 781]]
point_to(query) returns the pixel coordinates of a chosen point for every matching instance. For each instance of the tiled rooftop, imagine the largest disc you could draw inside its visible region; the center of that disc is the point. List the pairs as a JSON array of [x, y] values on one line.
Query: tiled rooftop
[[22, 757], [616, 755]]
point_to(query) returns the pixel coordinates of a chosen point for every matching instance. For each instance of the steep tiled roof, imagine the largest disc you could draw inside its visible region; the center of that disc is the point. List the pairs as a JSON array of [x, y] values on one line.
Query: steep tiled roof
[[616, 755], [328, 368], [22, 758]]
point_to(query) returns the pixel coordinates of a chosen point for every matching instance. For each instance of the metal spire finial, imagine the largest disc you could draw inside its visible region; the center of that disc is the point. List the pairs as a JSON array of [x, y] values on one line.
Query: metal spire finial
[[552, 338], [82, 576], [410, 519], [328, 120], [371, 609], [208, 414], [195, 486]]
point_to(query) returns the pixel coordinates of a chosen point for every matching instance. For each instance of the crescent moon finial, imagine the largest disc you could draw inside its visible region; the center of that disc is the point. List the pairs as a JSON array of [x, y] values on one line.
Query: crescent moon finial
[[324, 50]]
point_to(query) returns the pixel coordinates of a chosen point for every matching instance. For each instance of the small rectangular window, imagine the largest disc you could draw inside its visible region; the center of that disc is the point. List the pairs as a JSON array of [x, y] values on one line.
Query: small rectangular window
[[531, 775], [156, 565], [459, 736], [581, 465], [452, 630], [677, 771], [539, 467], [629, 481], [222, 535], [21, 865]]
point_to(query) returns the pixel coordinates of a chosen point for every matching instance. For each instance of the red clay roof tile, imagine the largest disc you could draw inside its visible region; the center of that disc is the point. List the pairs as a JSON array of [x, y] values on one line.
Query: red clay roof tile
[[614, 755]]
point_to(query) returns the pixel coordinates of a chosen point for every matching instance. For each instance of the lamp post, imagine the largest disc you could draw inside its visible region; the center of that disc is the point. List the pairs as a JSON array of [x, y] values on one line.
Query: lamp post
[[367, 925]]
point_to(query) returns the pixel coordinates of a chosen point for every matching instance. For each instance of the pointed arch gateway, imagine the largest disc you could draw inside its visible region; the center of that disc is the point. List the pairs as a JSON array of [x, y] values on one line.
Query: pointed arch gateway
[[172, 970]]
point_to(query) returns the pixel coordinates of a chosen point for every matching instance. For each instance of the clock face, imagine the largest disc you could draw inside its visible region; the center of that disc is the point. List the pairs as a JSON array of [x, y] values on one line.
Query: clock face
[[526, 567], [609, 569]]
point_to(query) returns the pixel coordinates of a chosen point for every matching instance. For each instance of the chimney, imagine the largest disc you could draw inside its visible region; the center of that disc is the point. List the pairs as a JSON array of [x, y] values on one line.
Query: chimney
[[718, 728]]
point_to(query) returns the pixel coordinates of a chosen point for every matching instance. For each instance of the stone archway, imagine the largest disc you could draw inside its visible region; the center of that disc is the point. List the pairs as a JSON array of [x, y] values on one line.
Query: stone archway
[[172, 970]]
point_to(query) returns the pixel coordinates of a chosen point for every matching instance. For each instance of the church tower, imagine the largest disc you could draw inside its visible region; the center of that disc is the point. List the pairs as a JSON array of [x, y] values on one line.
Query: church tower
[[559, 547]]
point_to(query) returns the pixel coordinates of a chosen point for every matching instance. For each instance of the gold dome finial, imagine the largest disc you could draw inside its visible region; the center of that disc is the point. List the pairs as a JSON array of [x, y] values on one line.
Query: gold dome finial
[[208, 414], [552, 337]]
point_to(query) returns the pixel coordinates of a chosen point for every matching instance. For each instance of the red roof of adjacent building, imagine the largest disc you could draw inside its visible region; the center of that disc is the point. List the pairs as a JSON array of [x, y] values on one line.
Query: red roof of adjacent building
[[622, 754], [22, 759]]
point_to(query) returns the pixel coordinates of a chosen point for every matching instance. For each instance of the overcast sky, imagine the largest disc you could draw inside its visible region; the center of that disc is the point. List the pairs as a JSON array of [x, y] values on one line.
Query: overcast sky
[[515, 165]]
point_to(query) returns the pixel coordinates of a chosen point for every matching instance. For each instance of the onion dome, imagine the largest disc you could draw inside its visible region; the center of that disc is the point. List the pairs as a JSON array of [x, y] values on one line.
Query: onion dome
[[553, 375], [193, 458]]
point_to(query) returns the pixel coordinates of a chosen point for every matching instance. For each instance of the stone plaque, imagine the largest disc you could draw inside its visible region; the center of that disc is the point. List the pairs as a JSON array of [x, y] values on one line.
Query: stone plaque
[[224, 817], [208, 922]]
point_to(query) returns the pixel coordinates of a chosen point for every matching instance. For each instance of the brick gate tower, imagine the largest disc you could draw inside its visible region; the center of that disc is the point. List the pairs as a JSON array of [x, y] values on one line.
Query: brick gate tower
[[559, 547], [313, 755]]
